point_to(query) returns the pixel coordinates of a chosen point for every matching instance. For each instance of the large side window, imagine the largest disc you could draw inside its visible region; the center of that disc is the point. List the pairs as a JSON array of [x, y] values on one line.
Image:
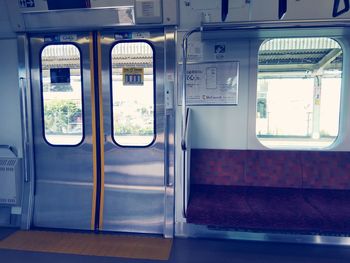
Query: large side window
[[133, 94], [298, 94], [62, 94]]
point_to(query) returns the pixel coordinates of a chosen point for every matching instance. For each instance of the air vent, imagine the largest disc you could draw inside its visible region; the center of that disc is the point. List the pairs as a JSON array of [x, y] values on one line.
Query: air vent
[[9, 176], [11, 162]]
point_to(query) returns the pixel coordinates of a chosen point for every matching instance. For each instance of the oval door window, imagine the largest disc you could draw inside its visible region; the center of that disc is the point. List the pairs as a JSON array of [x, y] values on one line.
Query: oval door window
[[133, 100], [62, 94]]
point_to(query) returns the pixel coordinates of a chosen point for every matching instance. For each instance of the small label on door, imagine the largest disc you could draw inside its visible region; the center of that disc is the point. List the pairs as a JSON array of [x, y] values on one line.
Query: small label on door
[[68, 38], [141, 35], [122, 35], [51, 39]]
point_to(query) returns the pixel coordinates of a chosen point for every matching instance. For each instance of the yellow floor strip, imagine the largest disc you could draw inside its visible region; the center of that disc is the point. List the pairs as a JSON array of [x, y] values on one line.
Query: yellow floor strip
[[90, 244]]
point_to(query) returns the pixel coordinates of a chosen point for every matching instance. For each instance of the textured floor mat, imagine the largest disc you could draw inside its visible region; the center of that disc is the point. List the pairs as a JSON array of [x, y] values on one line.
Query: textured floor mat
[[90, 244]]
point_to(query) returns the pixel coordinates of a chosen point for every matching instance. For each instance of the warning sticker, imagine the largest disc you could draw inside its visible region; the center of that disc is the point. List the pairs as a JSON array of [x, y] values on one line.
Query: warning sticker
[[133, 76]]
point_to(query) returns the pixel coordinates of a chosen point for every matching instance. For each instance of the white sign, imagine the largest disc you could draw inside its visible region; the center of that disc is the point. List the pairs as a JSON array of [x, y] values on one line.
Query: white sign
[[212, 83]]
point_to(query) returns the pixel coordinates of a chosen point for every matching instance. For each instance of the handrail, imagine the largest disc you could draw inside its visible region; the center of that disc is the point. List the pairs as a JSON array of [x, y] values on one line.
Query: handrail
[[188, 128], [186, 150], [185, 117], [184, 97], [23, 90]]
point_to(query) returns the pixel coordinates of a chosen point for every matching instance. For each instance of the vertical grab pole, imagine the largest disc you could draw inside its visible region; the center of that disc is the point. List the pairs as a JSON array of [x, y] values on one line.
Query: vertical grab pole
[[184, 119], [23, 93]]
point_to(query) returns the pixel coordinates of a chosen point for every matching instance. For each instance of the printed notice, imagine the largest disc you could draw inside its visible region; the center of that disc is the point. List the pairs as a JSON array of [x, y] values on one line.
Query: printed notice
[[212, 83]]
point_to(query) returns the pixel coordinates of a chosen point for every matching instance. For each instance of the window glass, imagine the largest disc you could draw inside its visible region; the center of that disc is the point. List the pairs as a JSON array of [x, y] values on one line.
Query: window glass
[[133, 94], [62, 94], [298, 94]]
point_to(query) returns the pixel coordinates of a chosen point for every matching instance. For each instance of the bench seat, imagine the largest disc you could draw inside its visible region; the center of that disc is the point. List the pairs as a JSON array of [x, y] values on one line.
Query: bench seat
[[270, 209]]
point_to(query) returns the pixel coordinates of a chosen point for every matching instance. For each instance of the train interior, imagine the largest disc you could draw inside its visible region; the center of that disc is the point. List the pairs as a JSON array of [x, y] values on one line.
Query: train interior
[[174, 130]]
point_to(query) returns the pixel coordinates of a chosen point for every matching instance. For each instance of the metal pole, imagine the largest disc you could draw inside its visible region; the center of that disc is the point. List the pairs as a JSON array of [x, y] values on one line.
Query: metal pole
[[184, 114]]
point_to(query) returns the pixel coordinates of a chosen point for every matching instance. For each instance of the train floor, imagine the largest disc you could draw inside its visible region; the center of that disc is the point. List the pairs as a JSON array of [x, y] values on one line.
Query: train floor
[[201, 251]]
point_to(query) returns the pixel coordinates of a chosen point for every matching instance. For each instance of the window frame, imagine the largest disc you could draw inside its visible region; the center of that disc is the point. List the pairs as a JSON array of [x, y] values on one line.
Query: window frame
[[149, 43], [42, 94], [299, 147]]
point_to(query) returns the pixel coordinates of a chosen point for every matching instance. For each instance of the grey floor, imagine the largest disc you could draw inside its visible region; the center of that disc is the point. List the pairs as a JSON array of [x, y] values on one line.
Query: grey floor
[[202, 251]]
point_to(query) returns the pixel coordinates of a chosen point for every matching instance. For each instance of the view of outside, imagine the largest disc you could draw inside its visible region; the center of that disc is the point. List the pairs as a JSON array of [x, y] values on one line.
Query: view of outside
[[299, 85], [133, 94], [62, 94]]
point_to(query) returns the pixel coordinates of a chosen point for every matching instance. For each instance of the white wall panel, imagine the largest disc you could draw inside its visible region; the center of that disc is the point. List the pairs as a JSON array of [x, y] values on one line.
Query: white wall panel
[[5, 26], [234, 127], [194, 11], [223, 127], [10, 117]]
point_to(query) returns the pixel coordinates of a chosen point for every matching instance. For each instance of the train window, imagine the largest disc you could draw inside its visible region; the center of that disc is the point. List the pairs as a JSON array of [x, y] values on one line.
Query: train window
[[298, 93], [133, 94], [62, 94]]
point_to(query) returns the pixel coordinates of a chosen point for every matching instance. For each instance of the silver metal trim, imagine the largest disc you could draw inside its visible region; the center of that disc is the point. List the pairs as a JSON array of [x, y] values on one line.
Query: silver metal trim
[[273, 24], [28, 188], [169, 133], [125, 7], [143, 188], [24, 127], [197, 231], [166, 149]]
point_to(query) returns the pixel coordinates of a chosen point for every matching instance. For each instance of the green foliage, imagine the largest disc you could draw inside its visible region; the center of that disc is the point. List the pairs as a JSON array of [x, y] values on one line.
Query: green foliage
[[62, 116], [139, 123]]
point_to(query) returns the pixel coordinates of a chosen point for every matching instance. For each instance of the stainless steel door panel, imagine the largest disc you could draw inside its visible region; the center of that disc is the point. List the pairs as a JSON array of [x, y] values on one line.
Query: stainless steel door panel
[[130, 171], [67, 206], [63, 164], [63, 174], [131, 209], [124, 170], [133, 178]]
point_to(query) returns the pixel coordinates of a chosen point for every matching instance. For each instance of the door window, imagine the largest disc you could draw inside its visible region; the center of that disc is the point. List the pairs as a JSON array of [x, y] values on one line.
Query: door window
[[62, 94], [133, 102]]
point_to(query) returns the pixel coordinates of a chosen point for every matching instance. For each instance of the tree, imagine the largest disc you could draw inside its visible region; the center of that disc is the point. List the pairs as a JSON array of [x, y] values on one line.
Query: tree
[[60, 115]]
